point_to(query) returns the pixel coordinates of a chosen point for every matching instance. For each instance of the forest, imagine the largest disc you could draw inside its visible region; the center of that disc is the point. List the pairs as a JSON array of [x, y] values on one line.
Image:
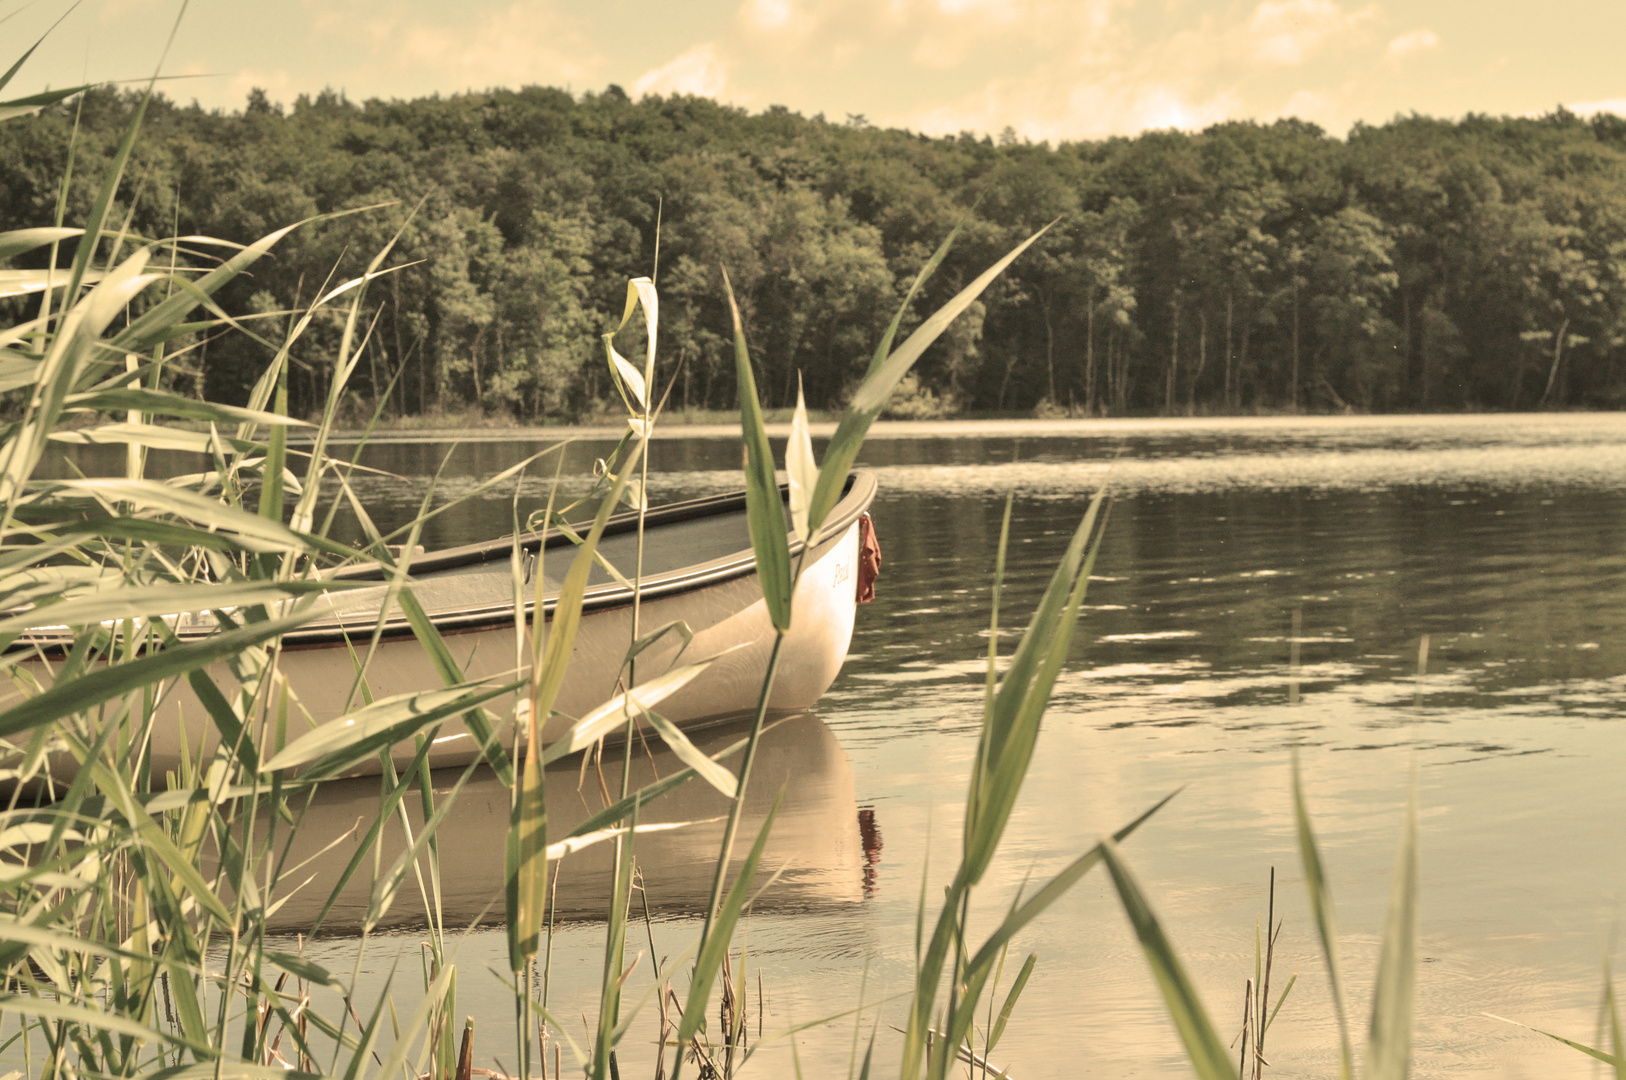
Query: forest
[[1420, 265]]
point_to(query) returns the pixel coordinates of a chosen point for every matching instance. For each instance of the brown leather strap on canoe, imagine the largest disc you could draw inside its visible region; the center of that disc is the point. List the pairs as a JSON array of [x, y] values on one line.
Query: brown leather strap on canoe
[[869, 559]]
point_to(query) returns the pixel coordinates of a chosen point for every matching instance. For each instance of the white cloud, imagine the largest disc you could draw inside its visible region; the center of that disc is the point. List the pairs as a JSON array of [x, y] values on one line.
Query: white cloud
[[1044, 107], [1002, 10], [1415, 42], [1097, 79], [769, 14], [524, 42], [699, 71], [1315, 106], [1289, 32], [1606, 105]]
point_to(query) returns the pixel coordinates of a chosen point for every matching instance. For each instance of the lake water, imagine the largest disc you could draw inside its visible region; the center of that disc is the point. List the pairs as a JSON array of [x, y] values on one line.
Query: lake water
[[1500, 538]]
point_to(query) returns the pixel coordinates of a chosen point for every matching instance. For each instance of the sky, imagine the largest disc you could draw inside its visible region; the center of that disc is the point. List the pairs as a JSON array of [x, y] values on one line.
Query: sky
[[1051, 70]]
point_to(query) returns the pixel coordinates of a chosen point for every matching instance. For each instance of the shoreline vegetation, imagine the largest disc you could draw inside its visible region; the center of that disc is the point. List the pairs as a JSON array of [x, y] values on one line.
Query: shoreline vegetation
[[1420, 265]]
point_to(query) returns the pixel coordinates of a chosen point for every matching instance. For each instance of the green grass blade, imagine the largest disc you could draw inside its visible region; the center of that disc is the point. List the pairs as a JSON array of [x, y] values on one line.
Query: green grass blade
[[1315, 882], [801, 469], [1388, 1047], [882, 379], [1011, 727], [525, 853], [451, 673], [613, 713], [343, 742], [711, 956], [883, 348], [692, 756], [103, 684], [385, 888], [164, 403], [765, 508], [106, 605], [1011, 999], [1209, 1057], [19, 241]]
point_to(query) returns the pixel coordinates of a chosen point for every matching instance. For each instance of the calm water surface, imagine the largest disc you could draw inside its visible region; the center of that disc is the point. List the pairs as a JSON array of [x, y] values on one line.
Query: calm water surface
[[1500, 538]]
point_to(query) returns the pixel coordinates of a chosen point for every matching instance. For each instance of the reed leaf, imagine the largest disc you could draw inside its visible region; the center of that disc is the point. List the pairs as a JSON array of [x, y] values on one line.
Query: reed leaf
[[628, 379], [613, 713], [998, 1030], [1207, 1051], [1388, 1046], [1035, 905], [344, 742], [300, 967], [152, 531], [883, 377], [765, 508], [981, 965], [18, 371], [93, 688], [95, 1020], [21, 241], [28, 282], [386, 810], [716, 945], [526, 851], [691, 755], [618, 810], [1315, 883], [385, 888], [1012, 726], [23, 106], [1612, 1006], [165, 403], [801, 470], [567, 612], [191, 506], [1615, 1063], [451, 673], [107, 605]]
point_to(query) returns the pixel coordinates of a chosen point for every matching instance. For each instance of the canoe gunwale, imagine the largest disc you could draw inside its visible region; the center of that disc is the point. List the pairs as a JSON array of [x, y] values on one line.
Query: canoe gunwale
[[856, 498]]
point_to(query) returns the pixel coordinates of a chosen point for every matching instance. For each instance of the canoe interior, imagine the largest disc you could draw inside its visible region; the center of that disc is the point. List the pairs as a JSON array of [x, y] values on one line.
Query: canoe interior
[[686, 545]]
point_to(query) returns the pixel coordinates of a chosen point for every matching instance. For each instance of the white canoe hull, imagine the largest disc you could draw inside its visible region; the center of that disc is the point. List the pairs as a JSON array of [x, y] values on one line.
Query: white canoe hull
[[720, 600], [729, 620]]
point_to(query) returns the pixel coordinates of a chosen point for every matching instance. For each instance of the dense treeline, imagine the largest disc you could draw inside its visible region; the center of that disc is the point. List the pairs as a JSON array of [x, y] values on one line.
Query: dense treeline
[[1423, 264]]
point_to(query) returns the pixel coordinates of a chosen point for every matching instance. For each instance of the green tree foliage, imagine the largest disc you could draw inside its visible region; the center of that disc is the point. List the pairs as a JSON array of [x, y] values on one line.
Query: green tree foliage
[[1421, 264]]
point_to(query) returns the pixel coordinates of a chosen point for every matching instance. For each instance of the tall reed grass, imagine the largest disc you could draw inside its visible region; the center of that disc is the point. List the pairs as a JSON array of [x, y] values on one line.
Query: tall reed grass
[[134, 906]]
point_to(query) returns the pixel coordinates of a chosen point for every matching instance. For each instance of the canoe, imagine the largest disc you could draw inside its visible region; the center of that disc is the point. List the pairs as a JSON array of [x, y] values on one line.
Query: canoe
[[698, 568]]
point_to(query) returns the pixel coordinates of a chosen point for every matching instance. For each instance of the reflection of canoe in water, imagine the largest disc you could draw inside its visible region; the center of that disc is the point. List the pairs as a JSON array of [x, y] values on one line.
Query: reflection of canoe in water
[[816, 844], [698, 568]]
